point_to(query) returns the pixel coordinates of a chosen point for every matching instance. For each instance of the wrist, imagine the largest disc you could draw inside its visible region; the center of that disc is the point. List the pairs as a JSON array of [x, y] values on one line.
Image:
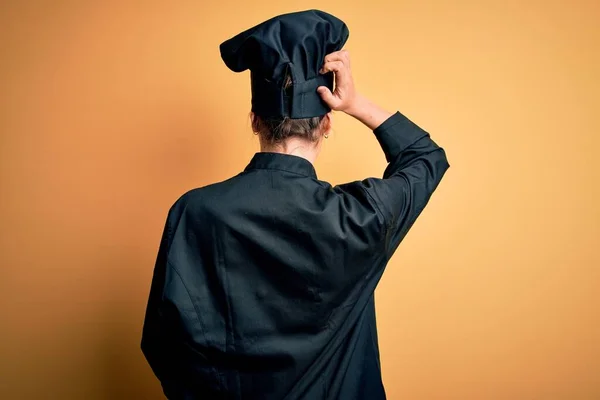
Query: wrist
[[356, 106], [367, 112]]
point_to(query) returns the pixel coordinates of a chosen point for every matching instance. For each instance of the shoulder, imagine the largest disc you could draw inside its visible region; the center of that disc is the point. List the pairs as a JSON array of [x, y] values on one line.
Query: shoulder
[[198, 197]]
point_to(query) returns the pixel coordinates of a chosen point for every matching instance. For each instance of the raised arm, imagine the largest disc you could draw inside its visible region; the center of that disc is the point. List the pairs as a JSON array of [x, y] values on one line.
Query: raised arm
[[416, 164]]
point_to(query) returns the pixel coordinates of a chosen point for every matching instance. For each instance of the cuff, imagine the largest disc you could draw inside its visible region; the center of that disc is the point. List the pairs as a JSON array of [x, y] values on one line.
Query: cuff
[[396, 134]]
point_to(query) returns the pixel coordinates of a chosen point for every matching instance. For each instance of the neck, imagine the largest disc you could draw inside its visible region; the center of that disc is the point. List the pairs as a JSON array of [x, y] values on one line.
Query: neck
[[295, 147]]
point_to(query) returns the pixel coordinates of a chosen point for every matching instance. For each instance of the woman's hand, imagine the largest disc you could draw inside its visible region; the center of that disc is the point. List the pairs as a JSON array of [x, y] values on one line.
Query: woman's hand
[[344, 95]]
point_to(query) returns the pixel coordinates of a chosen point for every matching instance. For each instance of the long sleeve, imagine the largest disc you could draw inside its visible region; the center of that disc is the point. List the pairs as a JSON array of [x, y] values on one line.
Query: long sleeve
[[416, 167], [153, 334]]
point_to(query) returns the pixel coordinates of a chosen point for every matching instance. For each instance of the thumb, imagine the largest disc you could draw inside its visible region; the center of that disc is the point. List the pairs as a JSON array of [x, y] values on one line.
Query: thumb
[[327, 96]]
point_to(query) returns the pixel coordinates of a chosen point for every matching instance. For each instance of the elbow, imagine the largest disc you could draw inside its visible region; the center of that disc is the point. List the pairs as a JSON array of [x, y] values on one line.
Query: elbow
[[438, 165], [444, 164]]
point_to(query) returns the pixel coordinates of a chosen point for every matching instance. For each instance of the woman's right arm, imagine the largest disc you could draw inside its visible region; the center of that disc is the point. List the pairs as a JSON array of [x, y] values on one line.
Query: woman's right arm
[[416, 164]]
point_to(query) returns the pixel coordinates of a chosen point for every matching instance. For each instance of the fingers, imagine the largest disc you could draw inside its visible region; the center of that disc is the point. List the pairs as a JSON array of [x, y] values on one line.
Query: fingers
[[339, 63], [335, 66], [336, 62], [328, 97], [341, 55]]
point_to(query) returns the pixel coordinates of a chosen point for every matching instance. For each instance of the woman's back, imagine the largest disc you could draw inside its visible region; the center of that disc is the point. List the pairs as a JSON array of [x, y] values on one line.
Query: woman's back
[[257, 269], [264, 283], [269, 276]]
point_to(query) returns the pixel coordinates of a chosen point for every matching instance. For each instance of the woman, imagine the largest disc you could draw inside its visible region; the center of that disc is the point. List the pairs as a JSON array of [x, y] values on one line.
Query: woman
[[263, 285]]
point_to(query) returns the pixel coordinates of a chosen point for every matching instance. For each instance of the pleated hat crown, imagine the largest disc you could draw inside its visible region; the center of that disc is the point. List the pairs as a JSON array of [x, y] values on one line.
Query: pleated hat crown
[[295, 44]]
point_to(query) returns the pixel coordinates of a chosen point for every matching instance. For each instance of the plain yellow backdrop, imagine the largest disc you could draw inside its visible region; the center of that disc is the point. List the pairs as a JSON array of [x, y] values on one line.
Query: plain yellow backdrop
[[109, 110]]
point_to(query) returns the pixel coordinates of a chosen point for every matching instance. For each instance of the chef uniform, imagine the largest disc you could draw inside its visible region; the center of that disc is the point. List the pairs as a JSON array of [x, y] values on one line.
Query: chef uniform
[[264, 283]]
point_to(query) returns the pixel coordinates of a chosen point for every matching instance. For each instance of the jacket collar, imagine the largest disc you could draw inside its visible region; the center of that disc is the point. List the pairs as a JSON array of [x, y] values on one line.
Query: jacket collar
[[280, 161]]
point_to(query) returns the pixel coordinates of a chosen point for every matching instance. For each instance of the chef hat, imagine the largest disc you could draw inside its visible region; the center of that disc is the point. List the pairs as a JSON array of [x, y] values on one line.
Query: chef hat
[[294, 43]]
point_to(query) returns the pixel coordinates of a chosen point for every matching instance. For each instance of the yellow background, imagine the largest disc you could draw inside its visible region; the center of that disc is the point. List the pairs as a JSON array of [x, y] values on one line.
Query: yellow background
[[111, 110]]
